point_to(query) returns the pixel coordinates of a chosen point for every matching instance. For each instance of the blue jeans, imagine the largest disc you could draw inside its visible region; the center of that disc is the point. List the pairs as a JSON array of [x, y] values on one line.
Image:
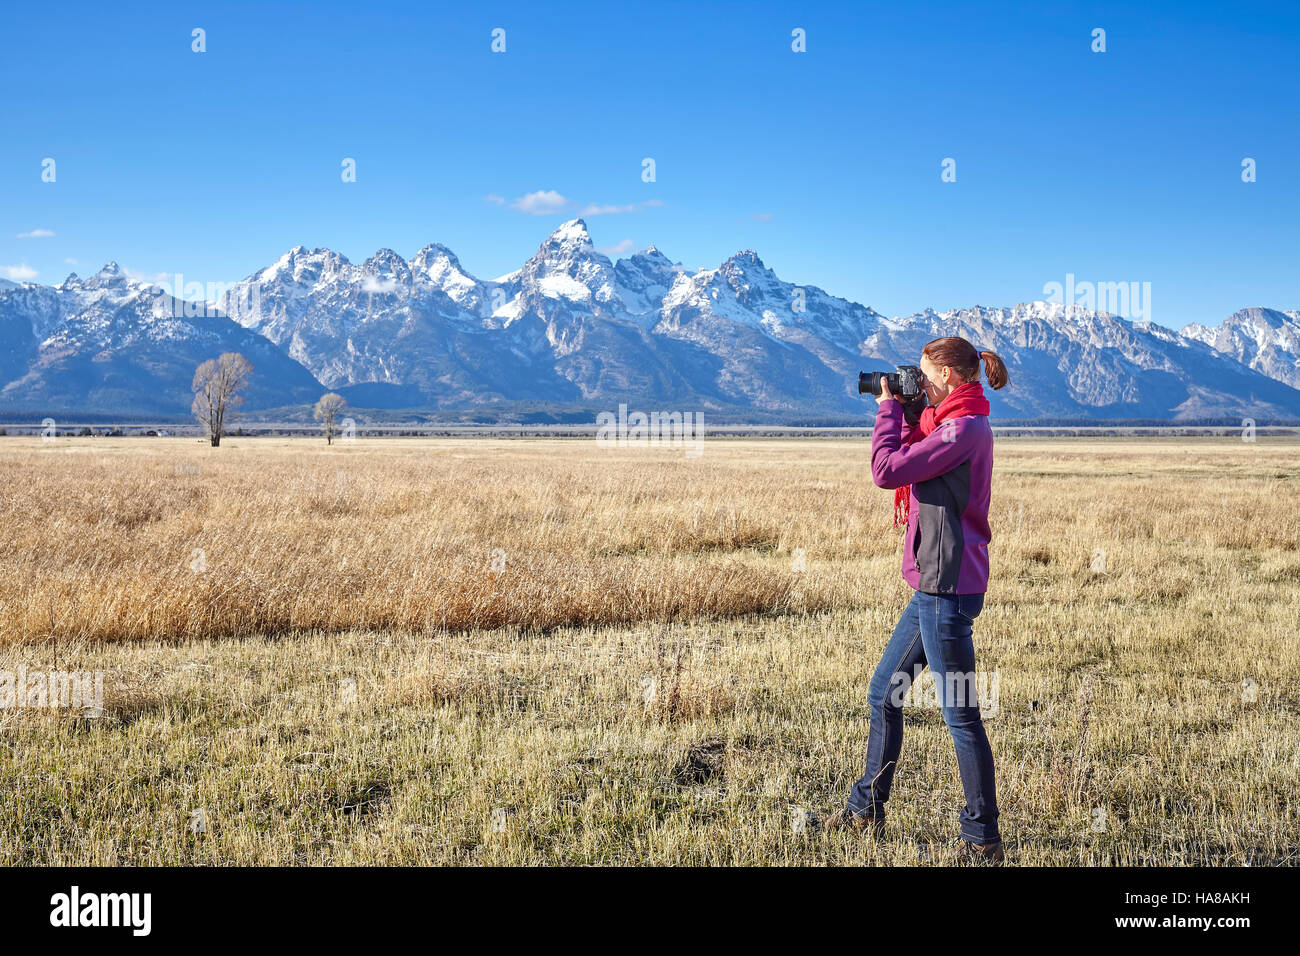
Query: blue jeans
[[935, 629]]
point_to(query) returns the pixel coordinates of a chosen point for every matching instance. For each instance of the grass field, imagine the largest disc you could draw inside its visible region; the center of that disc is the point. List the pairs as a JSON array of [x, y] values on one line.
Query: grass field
[[515, 651]]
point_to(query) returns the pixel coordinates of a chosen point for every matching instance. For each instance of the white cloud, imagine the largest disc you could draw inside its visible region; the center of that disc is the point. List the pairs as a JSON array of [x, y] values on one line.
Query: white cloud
[[592, 209], [597, 209], [22, 273], [619, 248], [544, 202], [372, 284], [158, 278], [762, 217], [71, 262], [37, 234], [548, 202]]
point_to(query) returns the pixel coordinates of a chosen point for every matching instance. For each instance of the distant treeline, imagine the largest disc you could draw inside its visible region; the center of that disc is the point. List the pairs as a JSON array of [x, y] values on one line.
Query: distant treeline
[[424, 422]]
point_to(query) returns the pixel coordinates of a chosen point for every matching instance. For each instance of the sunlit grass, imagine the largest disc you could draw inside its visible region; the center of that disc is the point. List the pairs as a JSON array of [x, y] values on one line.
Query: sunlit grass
[[351, 676]]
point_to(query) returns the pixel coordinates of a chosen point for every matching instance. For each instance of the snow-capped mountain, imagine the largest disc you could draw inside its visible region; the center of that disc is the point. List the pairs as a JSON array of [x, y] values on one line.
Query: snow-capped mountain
[[112, 343], [571, 328], [1071, 362], [425, 332], [643, 280], [1265, 339], [778, 345]]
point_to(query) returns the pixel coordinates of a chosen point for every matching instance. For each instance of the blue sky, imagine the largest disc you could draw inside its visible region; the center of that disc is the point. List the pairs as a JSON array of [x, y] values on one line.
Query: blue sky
[[1122, 166]]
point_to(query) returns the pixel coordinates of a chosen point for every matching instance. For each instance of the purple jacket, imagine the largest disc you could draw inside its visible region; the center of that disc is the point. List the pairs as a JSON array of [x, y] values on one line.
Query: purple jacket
[[950, 470]]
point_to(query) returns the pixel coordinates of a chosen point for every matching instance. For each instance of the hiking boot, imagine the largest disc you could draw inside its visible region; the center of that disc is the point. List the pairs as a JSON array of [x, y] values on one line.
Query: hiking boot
[[847, 819], [989, 853]]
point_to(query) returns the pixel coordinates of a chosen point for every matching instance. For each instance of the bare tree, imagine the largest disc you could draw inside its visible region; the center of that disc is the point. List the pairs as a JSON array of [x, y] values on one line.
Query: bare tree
[[217, 384], [327, 412]]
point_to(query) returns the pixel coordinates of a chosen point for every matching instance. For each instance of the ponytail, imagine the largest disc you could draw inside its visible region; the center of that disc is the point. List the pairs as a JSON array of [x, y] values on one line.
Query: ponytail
[[995, 370]]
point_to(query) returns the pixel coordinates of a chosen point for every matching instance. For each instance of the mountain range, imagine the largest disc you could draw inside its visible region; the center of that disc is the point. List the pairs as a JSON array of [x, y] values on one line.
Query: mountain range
[[573, 329]]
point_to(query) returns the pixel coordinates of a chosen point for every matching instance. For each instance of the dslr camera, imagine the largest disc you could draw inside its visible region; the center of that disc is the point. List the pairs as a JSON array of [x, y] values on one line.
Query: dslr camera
[[904, 384]]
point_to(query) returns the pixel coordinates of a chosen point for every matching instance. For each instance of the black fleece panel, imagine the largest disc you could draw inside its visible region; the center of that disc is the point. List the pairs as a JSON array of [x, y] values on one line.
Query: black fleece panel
[[939, 538]]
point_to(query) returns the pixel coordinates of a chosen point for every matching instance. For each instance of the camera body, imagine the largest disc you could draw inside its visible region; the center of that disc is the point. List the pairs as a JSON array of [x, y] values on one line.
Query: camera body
[[904, 384]]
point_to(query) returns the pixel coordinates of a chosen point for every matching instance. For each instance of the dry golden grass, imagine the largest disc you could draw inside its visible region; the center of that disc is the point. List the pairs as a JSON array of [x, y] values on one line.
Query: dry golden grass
[[394, 535], [649, 679]]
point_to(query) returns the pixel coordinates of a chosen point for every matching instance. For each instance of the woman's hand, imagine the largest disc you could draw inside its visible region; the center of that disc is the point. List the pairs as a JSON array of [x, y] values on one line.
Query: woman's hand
[[885, 394]]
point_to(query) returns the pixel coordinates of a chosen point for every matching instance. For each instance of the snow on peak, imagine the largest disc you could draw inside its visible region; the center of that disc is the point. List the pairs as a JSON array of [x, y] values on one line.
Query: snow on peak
[[388, 263], [573, 231], [303, 266], [567, 266], [436, 256], [746, 258], [441, 267]]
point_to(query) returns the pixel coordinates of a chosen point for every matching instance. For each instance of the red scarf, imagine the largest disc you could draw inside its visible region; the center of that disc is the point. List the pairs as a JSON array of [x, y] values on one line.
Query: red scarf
[[966, 399]]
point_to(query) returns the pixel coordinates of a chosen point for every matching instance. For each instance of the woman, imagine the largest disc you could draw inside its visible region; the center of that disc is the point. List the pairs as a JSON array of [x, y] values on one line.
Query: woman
[[940, 460]]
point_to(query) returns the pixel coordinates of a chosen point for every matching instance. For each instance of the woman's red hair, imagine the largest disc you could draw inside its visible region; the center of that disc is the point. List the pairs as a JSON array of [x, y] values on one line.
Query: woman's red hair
[[964, 359]]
